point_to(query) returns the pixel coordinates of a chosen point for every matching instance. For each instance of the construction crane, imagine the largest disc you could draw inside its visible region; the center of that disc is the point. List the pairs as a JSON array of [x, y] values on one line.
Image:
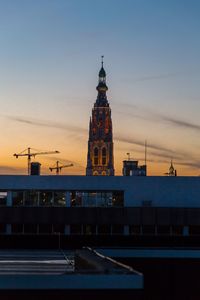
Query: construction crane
[[27, 152], [58, 167]]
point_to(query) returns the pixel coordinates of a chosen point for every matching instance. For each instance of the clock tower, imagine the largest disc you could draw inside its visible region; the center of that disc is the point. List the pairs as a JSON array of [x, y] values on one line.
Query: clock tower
[[100, 159]]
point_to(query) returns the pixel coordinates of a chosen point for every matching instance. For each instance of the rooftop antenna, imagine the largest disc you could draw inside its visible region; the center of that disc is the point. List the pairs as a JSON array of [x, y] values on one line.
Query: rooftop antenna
[[145, 152]]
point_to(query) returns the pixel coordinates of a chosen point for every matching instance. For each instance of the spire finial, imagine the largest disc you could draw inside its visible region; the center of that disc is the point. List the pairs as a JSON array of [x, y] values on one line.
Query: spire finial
[[102, 56]]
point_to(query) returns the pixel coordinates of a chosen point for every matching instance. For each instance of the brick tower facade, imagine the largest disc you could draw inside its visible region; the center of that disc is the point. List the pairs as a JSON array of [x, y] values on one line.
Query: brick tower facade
[[100, 160]]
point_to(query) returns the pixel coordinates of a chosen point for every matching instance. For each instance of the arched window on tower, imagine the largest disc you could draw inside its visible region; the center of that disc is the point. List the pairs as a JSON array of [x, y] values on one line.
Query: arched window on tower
[[104, 156], [96, 156]]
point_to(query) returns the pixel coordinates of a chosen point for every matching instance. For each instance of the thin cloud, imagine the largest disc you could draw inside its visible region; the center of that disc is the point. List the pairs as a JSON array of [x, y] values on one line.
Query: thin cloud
[[192, 164], [7, 168], [137, 142], [51, 124], [177, 156], [154, 77], [155, 153], [195, 164], [4, 169], [151, 77], [181, 123], [189, 164], [165, 154], [147, 114]]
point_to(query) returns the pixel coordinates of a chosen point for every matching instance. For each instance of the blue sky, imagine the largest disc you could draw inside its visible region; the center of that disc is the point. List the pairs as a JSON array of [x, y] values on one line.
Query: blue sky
[[50, 57]]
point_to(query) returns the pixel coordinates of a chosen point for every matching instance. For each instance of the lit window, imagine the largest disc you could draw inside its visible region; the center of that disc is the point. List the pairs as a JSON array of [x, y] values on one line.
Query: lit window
[[96, 156], [104, 156]]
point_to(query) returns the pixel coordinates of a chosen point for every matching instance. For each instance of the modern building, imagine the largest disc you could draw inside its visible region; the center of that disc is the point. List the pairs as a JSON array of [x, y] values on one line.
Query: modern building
[[100, 205], [149, 223], [100, 160]]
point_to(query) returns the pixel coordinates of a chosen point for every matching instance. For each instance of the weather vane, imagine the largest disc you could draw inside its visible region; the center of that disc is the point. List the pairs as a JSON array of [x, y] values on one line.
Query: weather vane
[[102, 60]]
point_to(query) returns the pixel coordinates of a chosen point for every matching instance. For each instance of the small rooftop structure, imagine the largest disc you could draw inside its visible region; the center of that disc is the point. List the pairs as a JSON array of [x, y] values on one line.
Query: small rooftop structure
[[131, 167], [35, 168]]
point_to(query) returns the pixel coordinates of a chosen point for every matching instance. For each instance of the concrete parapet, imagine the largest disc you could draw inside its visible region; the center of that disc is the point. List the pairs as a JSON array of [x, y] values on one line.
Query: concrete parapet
[[89, 261]]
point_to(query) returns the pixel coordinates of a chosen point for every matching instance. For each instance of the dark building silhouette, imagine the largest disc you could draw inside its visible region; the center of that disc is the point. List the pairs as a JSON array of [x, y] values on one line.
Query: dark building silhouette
[[35, 168], [131, 168], [172, 171], [100, 159]]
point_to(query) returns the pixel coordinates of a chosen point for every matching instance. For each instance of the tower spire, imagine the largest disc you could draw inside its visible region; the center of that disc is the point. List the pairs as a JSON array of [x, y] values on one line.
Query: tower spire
[[100, 159], [102, 87], [171, 169], [102, 57]]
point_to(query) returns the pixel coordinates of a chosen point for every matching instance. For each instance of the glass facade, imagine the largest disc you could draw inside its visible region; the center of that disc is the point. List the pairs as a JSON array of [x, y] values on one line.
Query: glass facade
[[98, 199], [38, 198], [50, 198], [58, 198], [3, 198]]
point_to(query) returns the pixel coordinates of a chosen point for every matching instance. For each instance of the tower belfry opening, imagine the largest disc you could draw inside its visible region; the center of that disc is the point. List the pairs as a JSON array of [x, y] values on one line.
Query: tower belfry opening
[[100, 160]]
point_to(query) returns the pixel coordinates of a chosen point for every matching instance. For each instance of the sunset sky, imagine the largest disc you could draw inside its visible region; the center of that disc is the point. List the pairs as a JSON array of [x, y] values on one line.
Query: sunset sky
[[50, 54]]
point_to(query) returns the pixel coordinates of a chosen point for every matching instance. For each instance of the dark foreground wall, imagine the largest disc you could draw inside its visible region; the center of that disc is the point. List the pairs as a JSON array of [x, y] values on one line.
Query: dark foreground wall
[[72, 295], [161, 216], [57, 241], [168, 279]]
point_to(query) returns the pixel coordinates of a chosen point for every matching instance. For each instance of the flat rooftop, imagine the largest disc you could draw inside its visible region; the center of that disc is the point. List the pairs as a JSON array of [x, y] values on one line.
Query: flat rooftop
[[64, 270], [162, 252], [36, 262]]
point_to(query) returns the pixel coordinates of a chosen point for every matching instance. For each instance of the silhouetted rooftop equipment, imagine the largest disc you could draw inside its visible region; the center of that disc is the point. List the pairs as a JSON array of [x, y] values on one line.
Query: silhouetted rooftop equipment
[[35, 168]]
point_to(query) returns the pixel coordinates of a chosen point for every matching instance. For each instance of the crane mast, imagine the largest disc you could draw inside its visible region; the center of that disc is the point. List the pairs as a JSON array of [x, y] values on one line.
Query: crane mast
[[58, 167], [27, 152]]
